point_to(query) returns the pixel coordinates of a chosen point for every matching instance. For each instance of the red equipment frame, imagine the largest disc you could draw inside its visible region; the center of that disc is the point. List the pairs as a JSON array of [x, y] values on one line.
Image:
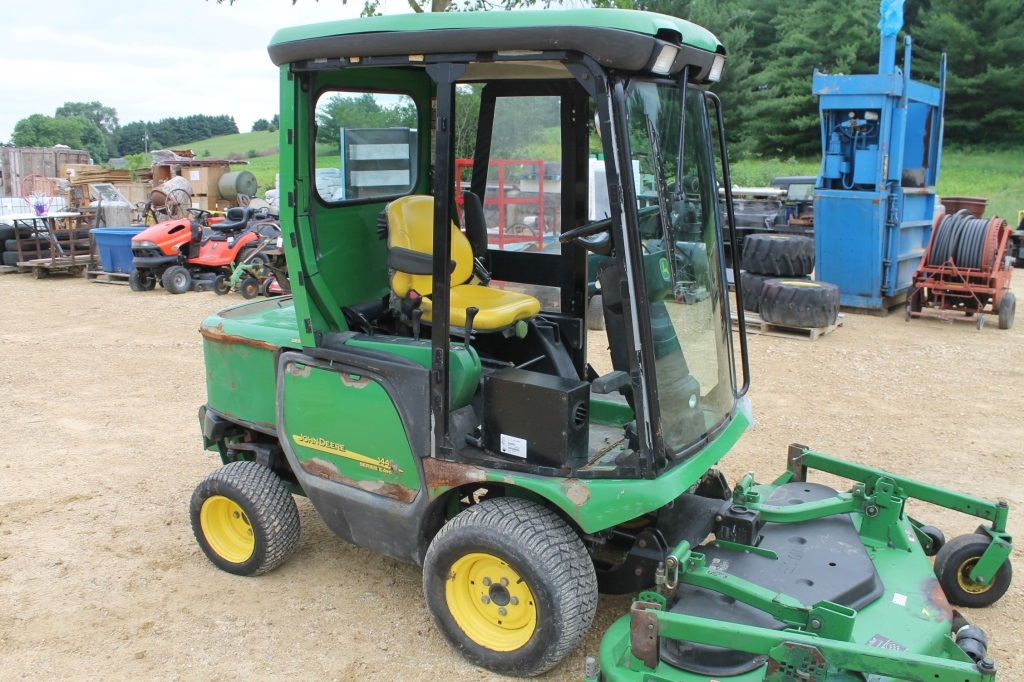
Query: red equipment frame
[[972, 291], [502, 201]]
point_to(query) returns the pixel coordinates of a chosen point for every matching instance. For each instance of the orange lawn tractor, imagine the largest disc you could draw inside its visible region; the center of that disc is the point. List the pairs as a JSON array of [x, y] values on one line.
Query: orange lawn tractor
[[189, 253]]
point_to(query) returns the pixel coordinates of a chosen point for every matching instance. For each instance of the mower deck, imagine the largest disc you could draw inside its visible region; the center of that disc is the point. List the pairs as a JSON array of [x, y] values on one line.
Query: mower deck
[[817, 584]]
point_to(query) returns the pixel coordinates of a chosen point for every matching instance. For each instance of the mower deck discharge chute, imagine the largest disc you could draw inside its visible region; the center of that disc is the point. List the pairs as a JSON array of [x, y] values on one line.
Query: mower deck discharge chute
[[429, 384]]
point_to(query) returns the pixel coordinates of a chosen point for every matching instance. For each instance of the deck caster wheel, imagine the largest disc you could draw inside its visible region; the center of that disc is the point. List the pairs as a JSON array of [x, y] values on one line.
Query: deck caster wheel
[[221, 285], [244, 519], [980, 323], [937, 538], [249, 287], [510, 586], [953, 565], [177, 279]]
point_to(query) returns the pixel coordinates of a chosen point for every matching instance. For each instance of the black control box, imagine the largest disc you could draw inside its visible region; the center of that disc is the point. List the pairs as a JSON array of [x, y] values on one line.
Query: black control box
[[539, 418]]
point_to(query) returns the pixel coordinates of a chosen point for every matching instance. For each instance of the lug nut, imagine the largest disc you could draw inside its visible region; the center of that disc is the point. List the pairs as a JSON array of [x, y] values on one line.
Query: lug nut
[[487, 582], [485, 599], [502, 611], [514, 601], [504, 582]]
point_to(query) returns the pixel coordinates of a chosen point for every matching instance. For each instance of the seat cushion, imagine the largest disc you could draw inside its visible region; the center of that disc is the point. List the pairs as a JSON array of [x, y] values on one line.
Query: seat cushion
[[498, 308]]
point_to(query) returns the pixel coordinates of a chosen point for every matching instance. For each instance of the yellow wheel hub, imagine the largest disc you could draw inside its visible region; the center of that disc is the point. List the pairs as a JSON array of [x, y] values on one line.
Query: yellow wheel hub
[[491, 602], [226, 527], [963, 578]]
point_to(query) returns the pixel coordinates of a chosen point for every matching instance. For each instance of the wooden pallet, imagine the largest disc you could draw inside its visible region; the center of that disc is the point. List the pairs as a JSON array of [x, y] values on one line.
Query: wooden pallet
[[102, 277], [756, 325]]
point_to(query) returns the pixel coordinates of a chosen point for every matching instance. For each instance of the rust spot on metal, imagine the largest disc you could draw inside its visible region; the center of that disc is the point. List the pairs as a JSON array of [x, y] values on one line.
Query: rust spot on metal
[[575, 492], [643, 632], [293, 369], [217, 334], [354, 382], [442, 475], [324, 469], [938, 607]]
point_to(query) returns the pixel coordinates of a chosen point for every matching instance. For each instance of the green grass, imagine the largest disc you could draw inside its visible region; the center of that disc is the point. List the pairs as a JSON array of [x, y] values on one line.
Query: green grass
[[994, 175]]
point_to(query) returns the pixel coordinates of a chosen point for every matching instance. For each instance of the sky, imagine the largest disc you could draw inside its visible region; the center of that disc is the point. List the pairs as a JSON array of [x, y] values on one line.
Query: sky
[[150, 59]]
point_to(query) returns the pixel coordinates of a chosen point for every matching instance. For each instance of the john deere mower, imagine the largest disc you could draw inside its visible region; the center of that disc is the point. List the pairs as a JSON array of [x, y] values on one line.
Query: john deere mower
[[431, 408]]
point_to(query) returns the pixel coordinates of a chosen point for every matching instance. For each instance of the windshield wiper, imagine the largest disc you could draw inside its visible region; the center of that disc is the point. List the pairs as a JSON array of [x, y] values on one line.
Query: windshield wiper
[[664, 199]]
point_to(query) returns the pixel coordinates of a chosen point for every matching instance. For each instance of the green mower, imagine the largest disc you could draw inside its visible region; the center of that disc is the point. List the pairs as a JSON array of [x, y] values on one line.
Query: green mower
[[416, 389]]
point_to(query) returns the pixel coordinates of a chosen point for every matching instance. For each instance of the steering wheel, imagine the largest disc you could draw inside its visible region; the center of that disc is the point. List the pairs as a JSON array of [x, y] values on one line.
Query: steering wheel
[[199, 213], [585, 230]]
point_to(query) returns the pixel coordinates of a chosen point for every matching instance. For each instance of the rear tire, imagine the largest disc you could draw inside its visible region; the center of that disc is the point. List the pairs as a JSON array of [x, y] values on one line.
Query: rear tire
[[778, 255], [510, 586], [177, 279], [799, 303], [244, 519]]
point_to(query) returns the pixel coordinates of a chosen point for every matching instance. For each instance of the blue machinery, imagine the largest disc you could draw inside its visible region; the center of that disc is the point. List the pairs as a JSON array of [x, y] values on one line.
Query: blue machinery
[[881, 138]]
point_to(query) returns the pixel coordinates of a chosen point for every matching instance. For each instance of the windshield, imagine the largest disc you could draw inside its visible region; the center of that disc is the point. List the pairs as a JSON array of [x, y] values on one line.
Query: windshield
[[676, 193]]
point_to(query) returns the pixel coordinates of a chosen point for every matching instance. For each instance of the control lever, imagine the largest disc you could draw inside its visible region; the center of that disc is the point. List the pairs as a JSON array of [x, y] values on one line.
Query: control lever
[[417, 313], [470, 316]]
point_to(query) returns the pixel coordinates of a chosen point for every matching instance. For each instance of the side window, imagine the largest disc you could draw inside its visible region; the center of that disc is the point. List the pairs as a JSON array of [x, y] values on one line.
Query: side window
[[365, 145], [524, 180]]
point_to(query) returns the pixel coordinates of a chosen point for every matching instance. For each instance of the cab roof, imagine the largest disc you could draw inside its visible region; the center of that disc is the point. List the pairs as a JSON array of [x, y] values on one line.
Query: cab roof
[[621, 39]]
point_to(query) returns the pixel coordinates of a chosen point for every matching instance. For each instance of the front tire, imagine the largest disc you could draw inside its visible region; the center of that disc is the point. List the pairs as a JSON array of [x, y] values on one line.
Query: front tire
[[510, 586], [140, 280], [177, 279], [244, 519]]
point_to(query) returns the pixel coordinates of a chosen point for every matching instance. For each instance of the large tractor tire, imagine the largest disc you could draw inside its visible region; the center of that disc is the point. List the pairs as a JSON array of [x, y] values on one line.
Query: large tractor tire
[[595, 313], [799, 303], [244, 518], [778, 255], [510, 586]]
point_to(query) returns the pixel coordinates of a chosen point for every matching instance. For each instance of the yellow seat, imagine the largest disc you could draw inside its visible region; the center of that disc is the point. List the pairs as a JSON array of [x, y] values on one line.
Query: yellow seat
[[410, 245]]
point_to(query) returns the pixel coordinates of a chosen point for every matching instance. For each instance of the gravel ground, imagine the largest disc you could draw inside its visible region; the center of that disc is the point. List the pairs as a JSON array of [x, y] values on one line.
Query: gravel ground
[[100, 577]]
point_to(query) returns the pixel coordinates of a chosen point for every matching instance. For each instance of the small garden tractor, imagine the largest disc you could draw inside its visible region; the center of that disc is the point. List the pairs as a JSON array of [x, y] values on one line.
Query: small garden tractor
[[434, 412], [188, 253]]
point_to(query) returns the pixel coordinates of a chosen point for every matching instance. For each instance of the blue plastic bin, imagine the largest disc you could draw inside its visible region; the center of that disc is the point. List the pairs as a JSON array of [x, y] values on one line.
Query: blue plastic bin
[[115, 247]]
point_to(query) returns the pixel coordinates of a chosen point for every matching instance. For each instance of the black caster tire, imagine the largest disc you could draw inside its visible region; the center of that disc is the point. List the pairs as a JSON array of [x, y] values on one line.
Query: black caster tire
[[953, 564], [221, 285], [1007, 308], [595, 313], [937, 537]]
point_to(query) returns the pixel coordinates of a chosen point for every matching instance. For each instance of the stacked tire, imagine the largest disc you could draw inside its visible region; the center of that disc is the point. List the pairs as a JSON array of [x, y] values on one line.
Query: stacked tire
[[9, 236], [776, 284]]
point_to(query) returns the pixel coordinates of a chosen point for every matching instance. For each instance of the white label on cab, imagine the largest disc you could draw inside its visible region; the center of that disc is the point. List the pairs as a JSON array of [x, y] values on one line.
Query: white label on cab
[[511, 445]]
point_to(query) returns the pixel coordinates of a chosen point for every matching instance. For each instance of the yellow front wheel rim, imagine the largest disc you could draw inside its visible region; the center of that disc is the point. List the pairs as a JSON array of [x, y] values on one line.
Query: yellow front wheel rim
[[963, 578], [226, 527], [491, 602]]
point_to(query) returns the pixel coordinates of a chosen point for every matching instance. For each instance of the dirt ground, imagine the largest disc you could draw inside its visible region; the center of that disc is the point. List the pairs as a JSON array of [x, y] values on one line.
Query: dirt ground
[[100, 577]]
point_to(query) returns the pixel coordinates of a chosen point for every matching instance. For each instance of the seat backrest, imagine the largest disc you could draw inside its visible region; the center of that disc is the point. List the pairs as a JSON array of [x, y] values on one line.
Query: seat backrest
[[236, 219], [411, 227], [476, 223]]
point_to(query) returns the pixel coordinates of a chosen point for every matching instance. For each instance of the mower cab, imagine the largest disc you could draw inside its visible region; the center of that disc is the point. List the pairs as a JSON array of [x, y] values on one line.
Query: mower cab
[[431, 384]]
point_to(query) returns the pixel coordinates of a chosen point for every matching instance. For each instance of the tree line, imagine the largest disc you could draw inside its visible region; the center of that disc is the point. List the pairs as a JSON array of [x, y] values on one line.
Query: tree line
[[95, 128], [773, 47]]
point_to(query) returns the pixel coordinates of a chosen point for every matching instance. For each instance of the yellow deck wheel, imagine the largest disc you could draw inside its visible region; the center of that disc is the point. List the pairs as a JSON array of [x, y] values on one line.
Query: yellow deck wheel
[[491, 602], [227, 529]]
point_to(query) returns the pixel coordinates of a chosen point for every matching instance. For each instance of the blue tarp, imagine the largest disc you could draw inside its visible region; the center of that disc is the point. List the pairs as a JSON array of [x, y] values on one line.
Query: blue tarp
[[892, 17]]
